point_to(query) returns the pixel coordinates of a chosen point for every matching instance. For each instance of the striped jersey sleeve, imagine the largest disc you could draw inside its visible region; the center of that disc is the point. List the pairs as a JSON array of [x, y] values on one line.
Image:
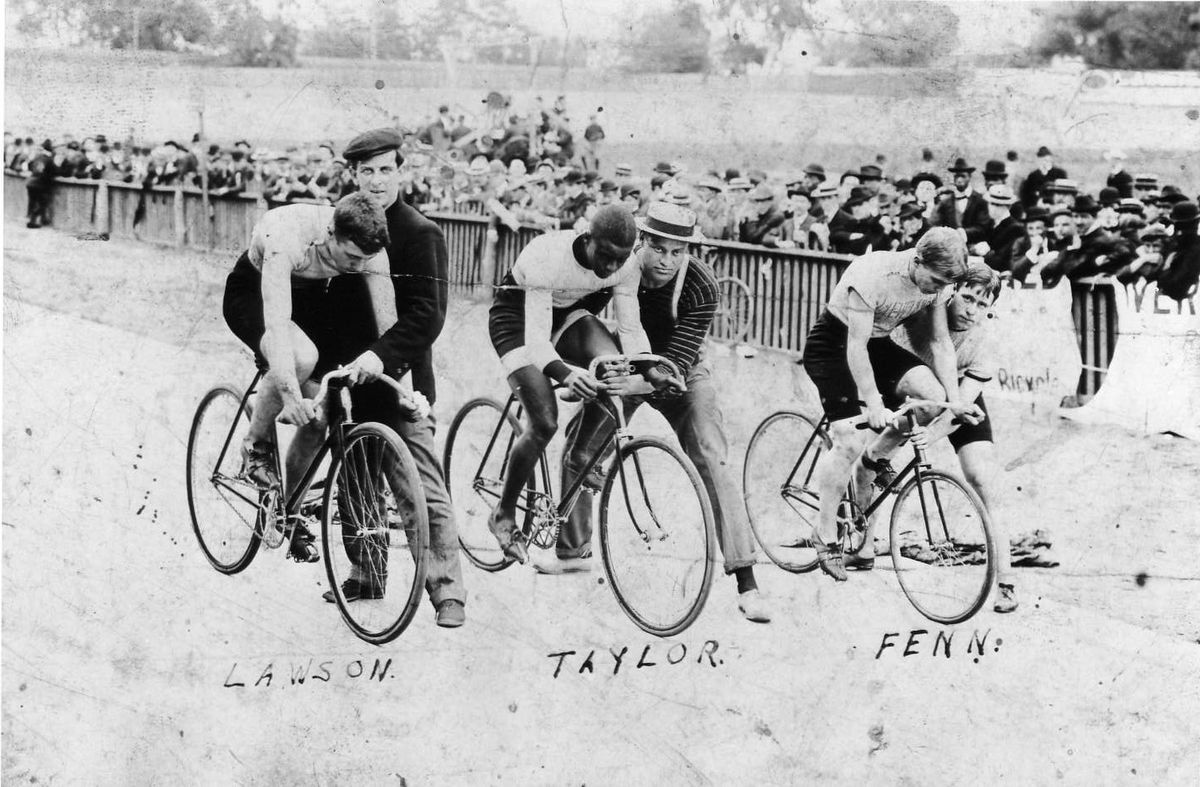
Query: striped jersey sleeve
[[678, 333]]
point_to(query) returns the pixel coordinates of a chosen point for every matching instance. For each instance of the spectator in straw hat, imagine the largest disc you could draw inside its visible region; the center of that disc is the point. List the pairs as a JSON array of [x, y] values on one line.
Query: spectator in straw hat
[[677, 300], [1031, 189], [1005, 228], [1060, 191]]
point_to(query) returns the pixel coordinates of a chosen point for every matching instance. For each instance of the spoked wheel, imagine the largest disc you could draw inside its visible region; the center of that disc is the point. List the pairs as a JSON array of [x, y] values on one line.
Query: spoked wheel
[[375, 533], [657, 537], [942, 548], [475, 461], [223, 505], [779, 485], [732, 320]]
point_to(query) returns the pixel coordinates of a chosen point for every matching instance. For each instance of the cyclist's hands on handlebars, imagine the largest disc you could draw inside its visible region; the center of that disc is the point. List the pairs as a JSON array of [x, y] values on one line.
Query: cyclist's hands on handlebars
[[878, 416], [296, 409], [583, 385]]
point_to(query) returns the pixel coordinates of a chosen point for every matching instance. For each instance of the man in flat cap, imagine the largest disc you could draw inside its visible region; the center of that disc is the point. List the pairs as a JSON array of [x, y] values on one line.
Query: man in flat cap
[[419, 269]]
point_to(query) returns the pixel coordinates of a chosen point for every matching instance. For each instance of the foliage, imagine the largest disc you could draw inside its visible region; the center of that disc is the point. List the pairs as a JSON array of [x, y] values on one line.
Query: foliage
[[1124, 35], [671, 41], [904, 34], [236, 27]]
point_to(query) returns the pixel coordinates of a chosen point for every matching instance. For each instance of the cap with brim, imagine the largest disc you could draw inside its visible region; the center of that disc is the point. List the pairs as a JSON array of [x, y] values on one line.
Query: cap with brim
[[372, 143], [799, 191], [1043, 151], [1085, 204], [824, 191], [571, 177], [1036, 213], [1109, 196], [1172, 198], [927, 177], [1000, 195], [740, 184], [1062, 186], [756, 176], [607, 186], [961, 165], [994, 169], [858, 195], [1185, 213], [762, 193], [711, 182], [667, 220], [870, 172], [1153, 232], [1145, 181], [624, 169], [1130, 205], [909, 210], [630, 189], [816, 170]]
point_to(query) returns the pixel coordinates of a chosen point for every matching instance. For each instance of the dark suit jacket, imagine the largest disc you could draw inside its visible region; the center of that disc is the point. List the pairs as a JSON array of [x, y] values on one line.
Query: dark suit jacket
[[1123, 182], [756, 230], [420, 276], [975, 219], [1001, 239], [1031, 189]]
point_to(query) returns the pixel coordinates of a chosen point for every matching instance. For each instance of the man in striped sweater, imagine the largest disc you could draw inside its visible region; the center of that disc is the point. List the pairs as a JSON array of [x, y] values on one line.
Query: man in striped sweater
[[677, 299]]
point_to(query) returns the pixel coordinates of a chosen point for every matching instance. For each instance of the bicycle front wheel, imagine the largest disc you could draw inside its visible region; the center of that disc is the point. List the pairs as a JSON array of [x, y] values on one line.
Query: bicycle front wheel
[[375, 533], [942, 547], [223, 505], [778, 483], [657, 536], [475, 462]]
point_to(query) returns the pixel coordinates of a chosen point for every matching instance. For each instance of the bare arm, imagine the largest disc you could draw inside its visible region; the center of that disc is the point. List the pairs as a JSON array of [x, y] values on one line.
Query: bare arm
[[860, 321], [276, 343]]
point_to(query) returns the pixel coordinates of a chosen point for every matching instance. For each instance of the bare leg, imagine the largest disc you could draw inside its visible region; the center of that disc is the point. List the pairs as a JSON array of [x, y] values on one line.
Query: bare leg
[[978, 462]]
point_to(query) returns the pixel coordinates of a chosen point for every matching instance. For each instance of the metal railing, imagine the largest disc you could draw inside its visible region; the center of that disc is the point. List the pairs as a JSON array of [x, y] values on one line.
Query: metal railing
[[788, 289]]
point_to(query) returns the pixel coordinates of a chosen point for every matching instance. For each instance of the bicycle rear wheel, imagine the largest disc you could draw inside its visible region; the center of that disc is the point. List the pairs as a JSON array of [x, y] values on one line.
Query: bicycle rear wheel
[[942, 547], [778, 482], [475, 460], [732, 320], [375, 532], [223, 505], [657, 536]]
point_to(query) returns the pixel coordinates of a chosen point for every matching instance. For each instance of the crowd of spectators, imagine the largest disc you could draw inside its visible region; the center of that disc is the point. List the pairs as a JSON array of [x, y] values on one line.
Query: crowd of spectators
[[531, 169]]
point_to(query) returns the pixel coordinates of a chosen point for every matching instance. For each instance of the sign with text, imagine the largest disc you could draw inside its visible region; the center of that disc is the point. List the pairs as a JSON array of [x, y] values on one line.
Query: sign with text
[[1153, 382], [1033, 338]]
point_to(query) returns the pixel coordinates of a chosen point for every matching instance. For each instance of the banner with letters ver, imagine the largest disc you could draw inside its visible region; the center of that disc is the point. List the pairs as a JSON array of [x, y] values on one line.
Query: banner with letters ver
[[1033, 340], [1153, 382]]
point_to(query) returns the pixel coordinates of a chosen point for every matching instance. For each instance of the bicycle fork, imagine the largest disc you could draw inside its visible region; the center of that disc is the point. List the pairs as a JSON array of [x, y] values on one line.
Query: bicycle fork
[[652, 530]]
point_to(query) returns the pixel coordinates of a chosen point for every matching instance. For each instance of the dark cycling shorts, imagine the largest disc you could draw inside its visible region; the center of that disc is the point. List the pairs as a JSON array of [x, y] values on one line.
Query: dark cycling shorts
[[506, 318], [243, 310], [979, 433], [825, 362]]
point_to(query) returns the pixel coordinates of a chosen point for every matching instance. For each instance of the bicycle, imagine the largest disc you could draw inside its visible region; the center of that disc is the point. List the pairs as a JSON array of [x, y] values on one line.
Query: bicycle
[[371, 505], [940, 535], [657, 544]]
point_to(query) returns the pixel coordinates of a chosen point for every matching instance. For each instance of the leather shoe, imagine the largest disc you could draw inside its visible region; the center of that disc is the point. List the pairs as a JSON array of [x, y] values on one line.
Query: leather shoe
[[353, 590], [753, 607], [451, 613]]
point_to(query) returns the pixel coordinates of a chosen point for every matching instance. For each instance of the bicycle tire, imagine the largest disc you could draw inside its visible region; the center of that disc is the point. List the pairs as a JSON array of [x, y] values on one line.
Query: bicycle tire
[[941, 577], [461, 461], [229, 547], [772, 498], [674, 564], [360, 487], [732, 320]]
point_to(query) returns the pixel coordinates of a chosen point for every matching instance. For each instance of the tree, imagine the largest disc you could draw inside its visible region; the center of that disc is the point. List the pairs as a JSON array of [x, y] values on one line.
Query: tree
[[253, 40], [1124, 35], [779, 22], [672, 41], [479, 30], [905, 34]]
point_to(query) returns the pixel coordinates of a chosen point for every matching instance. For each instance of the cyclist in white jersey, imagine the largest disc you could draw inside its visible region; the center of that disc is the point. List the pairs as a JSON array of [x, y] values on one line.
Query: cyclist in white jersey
[[540, 325], [273, 302]]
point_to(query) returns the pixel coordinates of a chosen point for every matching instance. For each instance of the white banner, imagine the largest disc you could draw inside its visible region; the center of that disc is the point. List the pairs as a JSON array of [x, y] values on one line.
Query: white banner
[[1153, 382], [1034, 343]]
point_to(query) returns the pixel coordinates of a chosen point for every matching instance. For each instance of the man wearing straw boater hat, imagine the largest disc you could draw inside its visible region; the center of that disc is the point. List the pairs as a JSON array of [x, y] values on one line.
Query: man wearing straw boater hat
[[677, 301]]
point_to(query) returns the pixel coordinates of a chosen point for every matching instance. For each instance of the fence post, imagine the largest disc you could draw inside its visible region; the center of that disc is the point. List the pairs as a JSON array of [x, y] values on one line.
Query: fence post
[[178, 218], [103, 223]]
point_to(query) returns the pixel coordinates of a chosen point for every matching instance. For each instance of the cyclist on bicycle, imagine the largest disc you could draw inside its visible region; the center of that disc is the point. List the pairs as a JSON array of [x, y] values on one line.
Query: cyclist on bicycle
[[677, 299], [850, 358], [972, 442], [538, 325], [273, 303]]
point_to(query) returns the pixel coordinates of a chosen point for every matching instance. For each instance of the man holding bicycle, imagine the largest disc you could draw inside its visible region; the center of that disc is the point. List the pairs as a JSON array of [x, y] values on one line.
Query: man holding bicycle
[[677, 300], [273, 303], [972, 442], [540, 325], [851, 359], [418, 259]]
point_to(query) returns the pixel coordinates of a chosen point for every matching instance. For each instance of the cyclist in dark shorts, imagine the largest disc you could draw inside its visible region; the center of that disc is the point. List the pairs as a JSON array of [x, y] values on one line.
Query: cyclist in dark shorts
[[851, 359], [540, 324], [273, 304], [973, 443]]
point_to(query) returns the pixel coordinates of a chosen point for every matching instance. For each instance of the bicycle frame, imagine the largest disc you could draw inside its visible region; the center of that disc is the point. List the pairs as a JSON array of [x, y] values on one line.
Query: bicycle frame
[[339, 418]]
